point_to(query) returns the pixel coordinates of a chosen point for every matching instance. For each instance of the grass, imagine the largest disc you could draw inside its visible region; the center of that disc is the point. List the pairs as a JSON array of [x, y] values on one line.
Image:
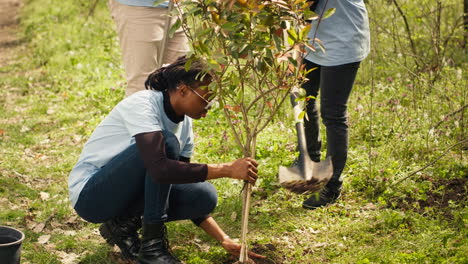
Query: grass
[[67, 76]]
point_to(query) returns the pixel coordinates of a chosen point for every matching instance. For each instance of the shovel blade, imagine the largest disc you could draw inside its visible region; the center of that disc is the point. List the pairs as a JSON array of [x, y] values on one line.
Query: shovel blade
[[306, 176]]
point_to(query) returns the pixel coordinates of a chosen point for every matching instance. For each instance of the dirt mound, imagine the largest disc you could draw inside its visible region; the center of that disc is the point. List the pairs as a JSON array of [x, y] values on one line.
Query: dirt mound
[[262, 249], [439, 196]]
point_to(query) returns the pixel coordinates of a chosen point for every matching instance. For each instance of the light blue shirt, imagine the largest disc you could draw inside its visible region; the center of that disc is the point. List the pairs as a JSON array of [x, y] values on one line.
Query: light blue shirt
[[147, 3], [345, 35], [139, 113]]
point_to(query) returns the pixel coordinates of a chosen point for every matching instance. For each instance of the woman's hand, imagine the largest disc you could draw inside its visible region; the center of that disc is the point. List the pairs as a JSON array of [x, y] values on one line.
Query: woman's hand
[[235, 248], [244, 169], [241, 169]]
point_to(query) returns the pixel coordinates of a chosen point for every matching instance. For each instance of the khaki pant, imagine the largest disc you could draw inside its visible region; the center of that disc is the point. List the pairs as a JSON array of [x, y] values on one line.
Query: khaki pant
[[141, 30]]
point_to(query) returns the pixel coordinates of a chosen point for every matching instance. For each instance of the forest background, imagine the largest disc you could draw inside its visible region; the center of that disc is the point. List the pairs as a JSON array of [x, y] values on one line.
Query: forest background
[[404, 197]]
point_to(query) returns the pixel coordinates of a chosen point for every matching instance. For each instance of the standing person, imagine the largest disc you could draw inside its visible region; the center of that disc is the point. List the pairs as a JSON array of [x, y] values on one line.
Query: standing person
[[137, 163], [346, 38], [140, 28]]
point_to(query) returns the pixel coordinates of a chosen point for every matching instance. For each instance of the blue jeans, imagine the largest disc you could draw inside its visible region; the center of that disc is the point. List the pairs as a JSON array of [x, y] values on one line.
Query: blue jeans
[[123, 188], [335, 84]]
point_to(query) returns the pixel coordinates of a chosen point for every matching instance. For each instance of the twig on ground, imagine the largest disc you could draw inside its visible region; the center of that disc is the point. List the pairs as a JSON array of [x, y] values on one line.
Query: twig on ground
[[450, 115], [431, 163]]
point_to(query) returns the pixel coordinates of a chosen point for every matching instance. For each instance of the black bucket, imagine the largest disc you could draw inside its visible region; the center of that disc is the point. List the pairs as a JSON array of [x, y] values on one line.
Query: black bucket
[[10, 245]]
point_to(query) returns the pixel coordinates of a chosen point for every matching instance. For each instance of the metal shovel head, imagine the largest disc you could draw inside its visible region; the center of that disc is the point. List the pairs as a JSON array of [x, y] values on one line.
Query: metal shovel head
[[306, 176]]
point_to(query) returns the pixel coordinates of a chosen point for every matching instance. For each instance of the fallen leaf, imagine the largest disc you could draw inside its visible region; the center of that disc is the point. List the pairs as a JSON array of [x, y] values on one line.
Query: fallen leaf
[[44, 196], [45, 141], [69, 232], [50, 246], [369, 207], [39, 227], [77, 139], [71, 220], [30, 224], [320, 244], [313, 231], [233, 216], [24, 129], [67, 258], [43, 239], [55, 225]]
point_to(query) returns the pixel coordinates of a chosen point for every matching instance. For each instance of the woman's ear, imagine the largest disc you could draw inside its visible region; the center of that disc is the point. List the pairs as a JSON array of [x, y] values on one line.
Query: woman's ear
[[182, 89]]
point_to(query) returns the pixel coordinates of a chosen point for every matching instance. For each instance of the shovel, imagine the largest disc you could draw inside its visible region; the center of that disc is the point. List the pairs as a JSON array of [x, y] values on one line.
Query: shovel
[[305, 175]]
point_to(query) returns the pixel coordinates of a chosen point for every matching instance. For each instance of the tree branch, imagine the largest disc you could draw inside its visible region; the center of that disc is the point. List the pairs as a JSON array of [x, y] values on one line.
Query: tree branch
[[449, 115], [408, 30], [431, 163]]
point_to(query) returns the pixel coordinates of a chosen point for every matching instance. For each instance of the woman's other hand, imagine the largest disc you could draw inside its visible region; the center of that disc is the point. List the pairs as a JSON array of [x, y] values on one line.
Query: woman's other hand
[[234, 249]]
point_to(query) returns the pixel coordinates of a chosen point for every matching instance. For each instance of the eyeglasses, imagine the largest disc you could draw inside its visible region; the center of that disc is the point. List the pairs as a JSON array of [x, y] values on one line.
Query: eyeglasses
[[208, 103]]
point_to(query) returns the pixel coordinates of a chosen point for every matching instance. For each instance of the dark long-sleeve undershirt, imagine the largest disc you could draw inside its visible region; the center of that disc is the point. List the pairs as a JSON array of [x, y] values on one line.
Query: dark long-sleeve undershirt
[[162, 169]]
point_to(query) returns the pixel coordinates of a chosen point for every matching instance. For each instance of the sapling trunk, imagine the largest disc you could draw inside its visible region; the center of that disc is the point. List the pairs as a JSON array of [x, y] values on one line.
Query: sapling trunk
[[246, 195], [249, 151]]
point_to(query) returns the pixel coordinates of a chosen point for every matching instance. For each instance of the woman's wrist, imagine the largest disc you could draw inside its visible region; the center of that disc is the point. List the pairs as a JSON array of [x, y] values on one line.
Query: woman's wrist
[[225, 238], [221, 170]]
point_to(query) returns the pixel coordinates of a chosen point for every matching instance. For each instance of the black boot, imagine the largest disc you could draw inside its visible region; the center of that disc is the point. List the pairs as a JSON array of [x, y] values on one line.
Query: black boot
[[327, 195], [123, 232], [155, 246]]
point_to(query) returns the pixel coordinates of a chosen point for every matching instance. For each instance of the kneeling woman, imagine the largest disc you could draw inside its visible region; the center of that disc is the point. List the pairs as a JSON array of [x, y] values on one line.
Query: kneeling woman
[[137, 163]]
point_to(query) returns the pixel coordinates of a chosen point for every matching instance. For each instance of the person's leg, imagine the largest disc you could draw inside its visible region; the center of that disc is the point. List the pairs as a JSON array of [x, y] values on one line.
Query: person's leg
[[114, 195], [112, 191], [154, 243], [336, 83], [193, 201], [176, 46], [335, 87], [140, 31], [110, 196], [311, 123], [157, 195]]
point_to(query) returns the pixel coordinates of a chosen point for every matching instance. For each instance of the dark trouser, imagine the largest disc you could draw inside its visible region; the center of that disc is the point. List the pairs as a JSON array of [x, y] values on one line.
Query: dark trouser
[[123, 188], [335, 84]]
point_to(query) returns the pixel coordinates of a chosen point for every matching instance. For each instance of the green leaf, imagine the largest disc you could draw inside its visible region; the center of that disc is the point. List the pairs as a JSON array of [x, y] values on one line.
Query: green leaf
[[292, 61], [292, 34], [310, 15], [158, 2], [188, 64], [301, 115], [214, 65], [329, 13], [304, 31], [174, 27], [229, 26]]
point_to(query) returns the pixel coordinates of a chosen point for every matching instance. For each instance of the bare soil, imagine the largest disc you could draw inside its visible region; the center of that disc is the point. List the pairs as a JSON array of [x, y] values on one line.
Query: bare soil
[[9, 39], [454, 190], [262, 249]]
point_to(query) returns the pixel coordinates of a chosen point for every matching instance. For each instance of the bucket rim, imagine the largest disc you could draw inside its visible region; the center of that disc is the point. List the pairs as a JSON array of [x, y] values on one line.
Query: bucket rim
[[19, 241]]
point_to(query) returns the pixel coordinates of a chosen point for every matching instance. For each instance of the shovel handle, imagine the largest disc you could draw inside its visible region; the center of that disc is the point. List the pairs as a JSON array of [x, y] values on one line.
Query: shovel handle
[[298, 108]]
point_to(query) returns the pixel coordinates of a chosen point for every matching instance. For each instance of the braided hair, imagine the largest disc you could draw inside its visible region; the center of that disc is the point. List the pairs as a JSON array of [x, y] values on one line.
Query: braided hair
[[169, 77]]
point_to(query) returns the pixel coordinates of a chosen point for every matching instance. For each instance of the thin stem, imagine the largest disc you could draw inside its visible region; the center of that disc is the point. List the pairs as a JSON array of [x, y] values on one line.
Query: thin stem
[[431, 163], [408, 29]]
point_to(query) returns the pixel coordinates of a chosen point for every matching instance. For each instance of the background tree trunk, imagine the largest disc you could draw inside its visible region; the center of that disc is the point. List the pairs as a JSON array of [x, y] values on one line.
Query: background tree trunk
[[465, 22]]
